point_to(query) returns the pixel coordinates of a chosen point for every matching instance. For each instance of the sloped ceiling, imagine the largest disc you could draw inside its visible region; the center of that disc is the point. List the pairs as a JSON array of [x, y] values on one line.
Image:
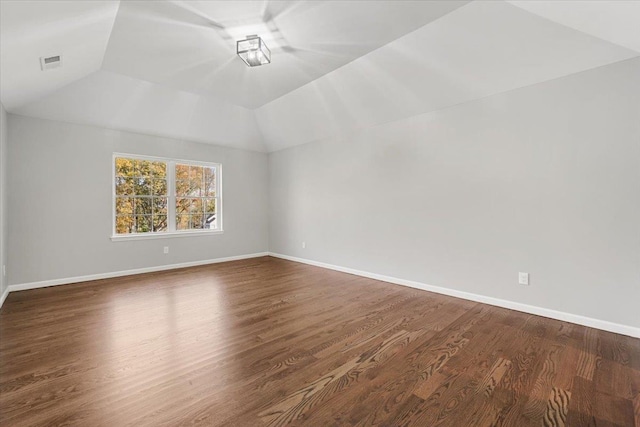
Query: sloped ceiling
[[78, 30], [169, 67], [191, 45], [612, 20], [115, 101], [483, 48]]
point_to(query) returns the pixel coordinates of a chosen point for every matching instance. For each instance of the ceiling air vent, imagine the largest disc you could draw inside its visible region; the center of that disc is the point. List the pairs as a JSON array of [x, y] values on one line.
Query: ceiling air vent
[[49, 62]]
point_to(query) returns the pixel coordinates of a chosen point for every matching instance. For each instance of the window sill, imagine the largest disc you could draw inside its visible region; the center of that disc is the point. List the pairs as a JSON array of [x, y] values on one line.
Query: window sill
[[123, 237]]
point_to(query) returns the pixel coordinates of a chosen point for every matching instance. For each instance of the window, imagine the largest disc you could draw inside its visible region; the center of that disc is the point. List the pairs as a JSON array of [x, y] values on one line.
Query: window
[[156, 197], [195, 197], [141, 197]]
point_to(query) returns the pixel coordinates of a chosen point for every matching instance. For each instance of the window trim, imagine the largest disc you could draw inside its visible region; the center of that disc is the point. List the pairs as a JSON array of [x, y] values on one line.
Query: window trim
[[171, 196]]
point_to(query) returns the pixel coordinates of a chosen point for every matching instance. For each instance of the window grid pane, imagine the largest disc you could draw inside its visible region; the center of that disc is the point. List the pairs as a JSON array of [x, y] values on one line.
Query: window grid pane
[[142, 199], [196, 213]]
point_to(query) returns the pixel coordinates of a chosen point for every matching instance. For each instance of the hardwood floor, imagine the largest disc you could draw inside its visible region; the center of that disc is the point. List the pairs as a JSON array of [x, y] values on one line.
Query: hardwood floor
[[268, 342]]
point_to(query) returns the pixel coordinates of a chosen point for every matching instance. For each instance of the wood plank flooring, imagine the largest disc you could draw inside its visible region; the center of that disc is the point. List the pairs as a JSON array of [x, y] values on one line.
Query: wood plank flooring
[[268, 342]]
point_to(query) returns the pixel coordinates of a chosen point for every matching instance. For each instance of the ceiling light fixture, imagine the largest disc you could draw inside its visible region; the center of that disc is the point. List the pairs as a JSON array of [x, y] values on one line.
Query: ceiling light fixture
[[253, 51]]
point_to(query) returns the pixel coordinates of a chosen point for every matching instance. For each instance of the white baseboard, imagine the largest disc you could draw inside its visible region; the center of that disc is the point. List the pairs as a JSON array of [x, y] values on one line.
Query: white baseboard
[[540, 311], [68, 280], [526, 308], [4, 296]]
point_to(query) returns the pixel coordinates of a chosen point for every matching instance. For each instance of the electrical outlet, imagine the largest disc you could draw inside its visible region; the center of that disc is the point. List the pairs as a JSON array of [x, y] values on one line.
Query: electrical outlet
[[166, 249], [523, 278], [304, 245]]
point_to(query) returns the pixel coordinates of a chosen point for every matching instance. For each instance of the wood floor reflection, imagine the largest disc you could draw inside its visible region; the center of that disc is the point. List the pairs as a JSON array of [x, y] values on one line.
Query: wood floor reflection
[[268, 342]]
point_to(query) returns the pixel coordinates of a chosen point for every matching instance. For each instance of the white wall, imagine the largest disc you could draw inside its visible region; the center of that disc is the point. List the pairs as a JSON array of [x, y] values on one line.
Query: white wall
[[3, 199], [59, 202], [543, 179]]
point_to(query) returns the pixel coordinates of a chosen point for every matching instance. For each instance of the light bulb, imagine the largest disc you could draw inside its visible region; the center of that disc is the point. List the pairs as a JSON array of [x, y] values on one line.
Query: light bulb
[[254, 58]]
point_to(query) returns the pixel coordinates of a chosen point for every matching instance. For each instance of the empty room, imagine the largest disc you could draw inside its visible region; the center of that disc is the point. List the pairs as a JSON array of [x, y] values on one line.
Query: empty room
[[320, 213]]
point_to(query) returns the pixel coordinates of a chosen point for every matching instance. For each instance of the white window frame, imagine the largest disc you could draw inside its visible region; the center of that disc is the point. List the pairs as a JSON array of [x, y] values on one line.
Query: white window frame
[[171, 204]]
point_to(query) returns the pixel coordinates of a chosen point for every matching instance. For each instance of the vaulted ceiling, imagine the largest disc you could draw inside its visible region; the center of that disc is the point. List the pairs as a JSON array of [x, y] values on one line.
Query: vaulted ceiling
[[169, 67]]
